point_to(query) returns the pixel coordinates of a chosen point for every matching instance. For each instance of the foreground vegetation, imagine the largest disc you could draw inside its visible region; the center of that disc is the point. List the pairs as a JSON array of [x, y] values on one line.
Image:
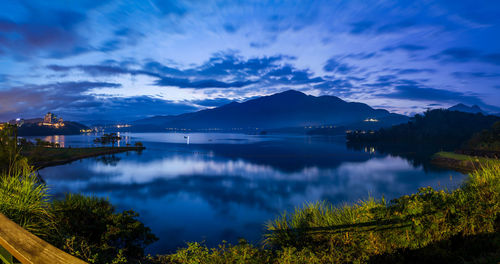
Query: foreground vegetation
[[431, 226], [84, 226], [461, 162]]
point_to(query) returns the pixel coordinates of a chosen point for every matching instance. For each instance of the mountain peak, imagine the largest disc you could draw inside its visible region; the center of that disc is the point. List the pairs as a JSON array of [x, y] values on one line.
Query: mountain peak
[[290, 93], [467, 109], [289, 108]]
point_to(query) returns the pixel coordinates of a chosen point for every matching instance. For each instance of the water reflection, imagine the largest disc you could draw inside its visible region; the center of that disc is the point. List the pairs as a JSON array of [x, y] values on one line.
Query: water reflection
[[57, 139], [223, 191]]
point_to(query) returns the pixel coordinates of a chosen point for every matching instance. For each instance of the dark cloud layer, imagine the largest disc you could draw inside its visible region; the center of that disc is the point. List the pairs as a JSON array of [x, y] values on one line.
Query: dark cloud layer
[[240, 72], [467, 55], [100, 55]]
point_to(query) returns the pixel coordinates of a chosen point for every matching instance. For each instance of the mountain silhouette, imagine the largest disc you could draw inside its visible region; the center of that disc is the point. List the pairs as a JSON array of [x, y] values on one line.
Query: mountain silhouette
[[467, 109], [286, 109]]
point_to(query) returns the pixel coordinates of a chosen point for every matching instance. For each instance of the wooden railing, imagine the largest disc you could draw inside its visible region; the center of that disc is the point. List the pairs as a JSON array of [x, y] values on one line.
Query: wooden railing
[[16, 242]]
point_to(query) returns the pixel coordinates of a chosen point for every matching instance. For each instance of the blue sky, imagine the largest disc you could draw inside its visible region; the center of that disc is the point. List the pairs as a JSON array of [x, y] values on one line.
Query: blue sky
[[125, 60]]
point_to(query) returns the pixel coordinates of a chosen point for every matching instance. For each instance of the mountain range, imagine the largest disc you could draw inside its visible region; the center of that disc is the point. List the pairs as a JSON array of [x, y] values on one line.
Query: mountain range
[[467, 109], [286, 109]]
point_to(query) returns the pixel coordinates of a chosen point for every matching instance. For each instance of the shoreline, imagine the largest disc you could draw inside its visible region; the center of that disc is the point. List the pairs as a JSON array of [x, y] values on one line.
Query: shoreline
[[460, 162], [75, 154]]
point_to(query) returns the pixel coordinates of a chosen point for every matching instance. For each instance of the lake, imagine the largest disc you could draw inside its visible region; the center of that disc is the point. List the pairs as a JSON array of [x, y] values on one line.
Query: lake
[[224, 186]]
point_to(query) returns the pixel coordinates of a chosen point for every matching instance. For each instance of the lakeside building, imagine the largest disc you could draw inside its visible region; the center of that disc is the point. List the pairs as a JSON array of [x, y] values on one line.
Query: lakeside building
[[52, 120]]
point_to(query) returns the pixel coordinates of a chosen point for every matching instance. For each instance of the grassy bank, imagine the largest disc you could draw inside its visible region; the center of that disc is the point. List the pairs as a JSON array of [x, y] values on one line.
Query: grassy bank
[[460, 162], [41, 157], [431, 226]]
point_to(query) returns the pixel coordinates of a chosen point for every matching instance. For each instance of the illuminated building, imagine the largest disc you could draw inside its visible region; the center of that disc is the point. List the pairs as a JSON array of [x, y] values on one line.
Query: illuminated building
[[51, 120]]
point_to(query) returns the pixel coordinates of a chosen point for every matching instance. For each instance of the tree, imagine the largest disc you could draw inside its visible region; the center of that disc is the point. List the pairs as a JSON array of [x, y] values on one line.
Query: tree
[[111, 138], [11, 160]]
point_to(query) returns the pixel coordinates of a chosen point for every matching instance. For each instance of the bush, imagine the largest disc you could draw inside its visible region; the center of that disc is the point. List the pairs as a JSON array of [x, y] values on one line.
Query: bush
[[90, 228], [225, 253], [87, 227], [25, 201], [356, 233], [428, 226]]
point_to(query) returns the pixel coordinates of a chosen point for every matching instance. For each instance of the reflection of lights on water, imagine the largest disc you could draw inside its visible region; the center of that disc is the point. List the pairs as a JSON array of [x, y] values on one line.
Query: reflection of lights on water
[[370, 150], [56, 139]]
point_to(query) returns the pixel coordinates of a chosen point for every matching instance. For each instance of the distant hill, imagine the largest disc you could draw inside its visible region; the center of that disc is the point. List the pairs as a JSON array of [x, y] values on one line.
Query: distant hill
[[33, 129], [287, 109], [467, 109], [443, 128], [487, 140]]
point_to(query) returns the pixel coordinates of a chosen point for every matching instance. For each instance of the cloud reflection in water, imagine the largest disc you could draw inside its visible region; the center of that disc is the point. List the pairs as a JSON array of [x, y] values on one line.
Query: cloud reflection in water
[[186, 193]]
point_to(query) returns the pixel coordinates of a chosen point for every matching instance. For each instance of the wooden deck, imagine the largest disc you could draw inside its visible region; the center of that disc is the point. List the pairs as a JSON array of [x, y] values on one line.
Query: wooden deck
[[28, 248]]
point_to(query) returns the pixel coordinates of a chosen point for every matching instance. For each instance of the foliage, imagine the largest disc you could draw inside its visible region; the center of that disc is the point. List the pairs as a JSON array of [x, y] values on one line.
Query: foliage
[[356, 233], [447, 129], [138, 144], [105, 139], [460, 162], [225, 253], [11, 160], [25, 201], [90, 228], [488, 139], [460, 225], [87, 227], [43, 143]]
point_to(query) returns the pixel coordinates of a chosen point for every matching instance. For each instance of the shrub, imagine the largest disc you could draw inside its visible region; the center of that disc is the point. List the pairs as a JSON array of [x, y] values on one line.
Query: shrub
[[428, 226], [356, 233], [90, 228], [25, 201]]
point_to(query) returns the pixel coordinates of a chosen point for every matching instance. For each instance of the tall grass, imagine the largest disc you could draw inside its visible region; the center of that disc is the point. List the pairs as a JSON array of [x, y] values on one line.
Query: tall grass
[[440, 226], [355, 233], [25, 201]]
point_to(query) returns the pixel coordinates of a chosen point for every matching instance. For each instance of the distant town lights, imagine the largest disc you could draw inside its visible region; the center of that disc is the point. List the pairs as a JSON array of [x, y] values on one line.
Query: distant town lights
[[371, 120]]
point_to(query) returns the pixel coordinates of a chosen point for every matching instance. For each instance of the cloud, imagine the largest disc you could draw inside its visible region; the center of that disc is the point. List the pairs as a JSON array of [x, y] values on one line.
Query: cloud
[[457, 55], [361, 27], [465, 75], [333, 65], [419, 93], [405, 47], [33, 100], [466, 55], [93, 70], [395, 27], [212, 102], [230, 28], [71, 101], [361, 55], [415, 71], [51, 35], [169, 7], [202, 84], [493, 58], [222, 70], [342, 87]]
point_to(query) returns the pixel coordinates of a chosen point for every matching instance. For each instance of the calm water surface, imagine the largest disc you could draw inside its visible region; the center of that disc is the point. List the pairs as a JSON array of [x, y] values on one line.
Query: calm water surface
[[226, 186]]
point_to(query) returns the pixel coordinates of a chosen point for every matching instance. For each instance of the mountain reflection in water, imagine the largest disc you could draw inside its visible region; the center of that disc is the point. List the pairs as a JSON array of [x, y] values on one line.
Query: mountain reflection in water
[[226, 186]]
